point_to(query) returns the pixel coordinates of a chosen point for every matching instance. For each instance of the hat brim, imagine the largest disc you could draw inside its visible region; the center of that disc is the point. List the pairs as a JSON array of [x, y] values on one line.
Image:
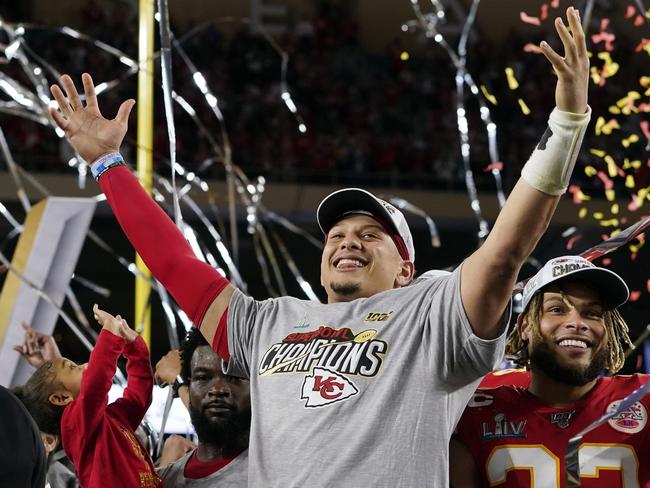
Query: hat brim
[[345, 201], [610, 287]]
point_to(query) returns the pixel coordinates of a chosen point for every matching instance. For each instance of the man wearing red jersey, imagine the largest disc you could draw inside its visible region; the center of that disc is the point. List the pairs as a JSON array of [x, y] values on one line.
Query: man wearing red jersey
[[569, 332]]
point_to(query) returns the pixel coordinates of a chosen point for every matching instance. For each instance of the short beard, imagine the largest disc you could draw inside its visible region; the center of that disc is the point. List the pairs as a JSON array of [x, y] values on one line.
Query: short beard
[[228, 433], [546, 361], [345, 289]]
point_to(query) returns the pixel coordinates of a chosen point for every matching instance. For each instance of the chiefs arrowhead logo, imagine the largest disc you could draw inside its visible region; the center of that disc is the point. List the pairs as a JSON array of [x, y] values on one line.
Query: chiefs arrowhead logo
[[324, 387]]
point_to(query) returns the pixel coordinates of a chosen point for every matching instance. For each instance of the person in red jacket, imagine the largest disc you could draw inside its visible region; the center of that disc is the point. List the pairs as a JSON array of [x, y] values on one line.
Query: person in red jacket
[[72, 399]]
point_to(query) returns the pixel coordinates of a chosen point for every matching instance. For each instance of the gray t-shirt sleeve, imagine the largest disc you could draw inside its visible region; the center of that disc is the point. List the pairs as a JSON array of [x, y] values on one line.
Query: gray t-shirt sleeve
[[459, 355], [243, 314]]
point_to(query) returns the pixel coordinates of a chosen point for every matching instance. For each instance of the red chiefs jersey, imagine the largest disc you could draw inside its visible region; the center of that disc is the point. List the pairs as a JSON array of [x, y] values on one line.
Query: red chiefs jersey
[[517, 441], [510, 376]]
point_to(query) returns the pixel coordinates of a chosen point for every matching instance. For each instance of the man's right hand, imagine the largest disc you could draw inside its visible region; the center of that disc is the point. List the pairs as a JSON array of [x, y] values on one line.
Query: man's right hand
[[168, 368], [87, 130]]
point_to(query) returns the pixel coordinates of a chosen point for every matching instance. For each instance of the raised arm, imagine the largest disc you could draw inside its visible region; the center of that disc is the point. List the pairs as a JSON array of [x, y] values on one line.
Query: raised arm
[[197, 287], [489, 275]]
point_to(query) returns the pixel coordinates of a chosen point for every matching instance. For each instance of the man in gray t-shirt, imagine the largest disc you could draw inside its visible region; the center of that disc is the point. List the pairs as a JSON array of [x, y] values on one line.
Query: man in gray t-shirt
[[366, 389]]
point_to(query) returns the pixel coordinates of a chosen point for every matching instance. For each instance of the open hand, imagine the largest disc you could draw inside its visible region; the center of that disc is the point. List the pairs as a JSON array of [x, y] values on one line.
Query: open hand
[[87, 130], [168, 368], [573, 69], [37, 348]]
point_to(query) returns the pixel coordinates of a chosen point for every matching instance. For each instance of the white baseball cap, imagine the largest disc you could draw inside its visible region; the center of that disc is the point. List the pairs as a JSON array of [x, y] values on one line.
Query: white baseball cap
[[612, 289], [355, 200]]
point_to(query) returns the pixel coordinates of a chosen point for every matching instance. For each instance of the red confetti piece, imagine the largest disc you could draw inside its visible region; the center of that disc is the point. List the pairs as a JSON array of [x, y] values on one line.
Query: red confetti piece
[[609, 184], [572, 241], [644, 45], [543, 12], [633, 257], [645, 127], [638, 21], [555, 3], [498, 165], [606, 37], [629, 13], [529, 19], [635, 295], [606, 261], [532, 48], [648, 285]]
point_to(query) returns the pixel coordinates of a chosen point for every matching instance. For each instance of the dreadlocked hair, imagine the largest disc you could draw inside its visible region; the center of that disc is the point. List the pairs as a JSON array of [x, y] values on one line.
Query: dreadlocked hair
[[617, 336], [35, 395], [193, 340]]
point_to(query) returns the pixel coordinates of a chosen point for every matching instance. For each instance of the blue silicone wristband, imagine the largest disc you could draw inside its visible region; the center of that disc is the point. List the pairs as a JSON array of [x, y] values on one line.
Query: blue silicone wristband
[[104, 163]]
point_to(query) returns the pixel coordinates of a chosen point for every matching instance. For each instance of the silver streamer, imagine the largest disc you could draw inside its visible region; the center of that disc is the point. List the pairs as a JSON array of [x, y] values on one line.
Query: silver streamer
[[409, 207], [166, 71], [571, 457], [429, 23]]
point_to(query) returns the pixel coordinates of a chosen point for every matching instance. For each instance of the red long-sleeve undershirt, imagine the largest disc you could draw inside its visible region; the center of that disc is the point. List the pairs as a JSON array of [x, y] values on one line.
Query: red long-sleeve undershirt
[[193, 283]]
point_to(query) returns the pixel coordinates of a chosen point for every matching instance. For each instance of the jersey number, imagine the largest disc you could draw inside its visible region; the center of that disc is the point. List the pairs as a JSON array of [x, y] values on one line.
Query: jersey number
[[544, 466]]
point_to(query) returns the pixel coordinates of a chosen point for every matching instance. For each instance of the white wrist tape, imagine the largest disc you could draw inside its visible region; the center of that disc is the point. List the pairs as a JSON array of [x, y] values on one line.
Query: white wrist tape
[[550, 166]]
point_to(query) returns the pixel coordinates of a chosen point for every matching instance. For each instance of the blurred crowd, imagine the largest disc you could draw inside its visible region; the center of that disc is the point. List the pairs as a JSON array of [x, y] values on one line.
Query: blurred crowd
[[375, 118]]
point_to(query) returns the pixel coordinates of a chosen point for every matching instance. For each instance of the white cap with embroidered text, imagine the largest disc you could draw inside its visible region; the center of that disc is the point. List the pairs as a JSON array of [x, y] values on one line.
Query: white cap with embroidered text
[[612, 289], [356, 200]]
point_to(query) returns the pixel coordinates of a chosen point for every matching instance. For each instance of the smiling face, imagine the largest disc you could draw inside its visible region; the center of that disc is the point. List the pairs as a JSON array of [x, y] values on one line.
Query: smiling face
[[220, 406], [571, 346], [360, 259]]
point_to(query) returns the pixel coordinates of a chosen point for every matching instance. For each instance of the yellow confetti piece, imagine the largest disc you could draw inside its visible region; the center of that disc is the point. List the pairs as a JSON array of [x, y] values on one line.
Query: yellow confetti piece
[[612, 169], [614, 110], [635, 247], [488, 96], [404, 56], [610, 195], [591, 171], [627, 164], [630, 140], [597, 152], [614, 232], [513, 84], [582, 213], [598, 215], [524, 107], [609, 223], [629, 181], [614, 209], [606, 127]]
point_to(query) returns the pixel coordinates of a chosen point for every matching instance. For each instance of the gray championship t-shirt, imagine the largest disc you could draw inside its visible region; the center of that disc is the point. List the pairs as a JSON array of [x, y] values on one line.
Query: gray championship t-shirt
[[365, 393], [232, 475]]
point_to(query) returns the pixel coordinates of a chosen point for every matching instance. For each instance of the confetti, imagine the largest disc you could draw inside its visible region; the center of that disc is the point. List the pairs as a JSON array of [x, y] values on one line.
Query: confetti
[[524, 108], [605, 37], [513, 84], [572, 241], [610, 195], [598, 152], [612, 169], [532, 48], [635, 295], [578, 195], [528, 19], [488, 96], [629, 181], [609, 222], [609, 184], [614, 209], [606, 127], [606, 261], [492, 166], [590, 171], [583, 212], [630, 140]]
